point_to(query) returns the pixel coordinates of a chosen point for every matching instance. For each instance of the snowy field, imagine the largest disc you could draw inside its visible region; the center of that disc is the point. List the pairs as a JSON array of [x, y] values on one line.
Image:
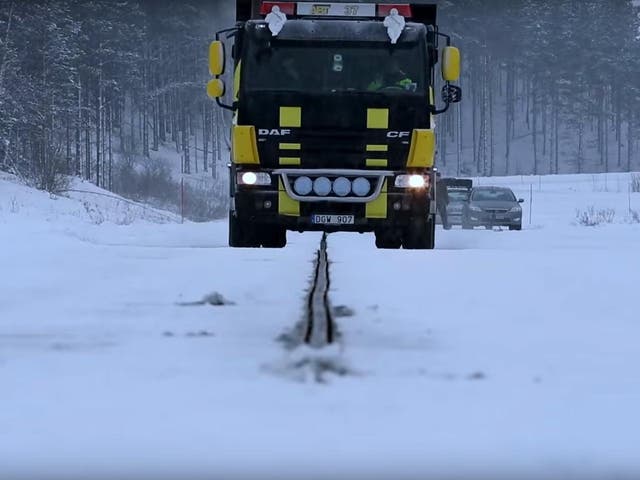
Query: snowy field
[[498, 355]]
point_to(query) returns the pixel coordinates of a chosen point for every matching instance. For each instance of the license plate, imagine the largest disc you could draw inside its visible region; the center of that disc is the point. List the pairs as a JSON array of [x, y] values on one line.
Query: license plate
[[335, 9], [320, 219]]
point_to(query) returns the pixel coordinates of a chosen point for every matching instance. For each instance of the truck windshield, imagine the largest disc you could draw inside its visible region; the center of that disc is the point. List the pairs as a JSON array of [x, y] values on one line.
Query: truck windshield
[[329, 67]]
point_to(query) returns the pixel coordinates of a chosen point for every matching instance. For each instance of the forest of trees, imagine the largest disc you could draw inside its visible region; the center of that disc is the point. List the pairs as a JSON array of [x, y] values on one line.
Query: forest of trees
[[549, 86], [95, 88]]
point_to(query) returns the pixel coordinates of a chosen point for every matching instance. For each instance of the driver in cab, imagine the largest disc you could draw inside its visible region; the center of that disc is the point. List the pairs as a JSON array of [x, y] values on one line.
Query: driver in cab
[[394, 78]]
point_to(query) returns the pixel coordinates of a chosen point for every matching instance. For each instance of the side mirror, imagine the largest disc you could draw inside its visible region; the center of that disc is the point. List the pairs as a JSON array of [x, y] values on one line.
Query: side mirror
[[215, 88], [216, 58], [521, 200], [451, 94], [450, 64]]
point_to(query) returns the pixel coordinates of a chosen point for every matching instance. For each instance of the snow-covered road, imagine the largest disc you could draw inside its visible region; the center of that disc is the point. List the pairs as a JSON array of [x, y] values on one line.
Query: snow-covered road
[[499, 353]]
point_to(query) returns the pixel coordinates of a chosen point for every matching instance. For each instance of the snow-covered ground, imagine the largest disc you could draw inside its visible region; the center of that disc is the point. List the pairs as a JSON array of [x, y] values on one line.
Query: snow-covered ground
[[502, 354]]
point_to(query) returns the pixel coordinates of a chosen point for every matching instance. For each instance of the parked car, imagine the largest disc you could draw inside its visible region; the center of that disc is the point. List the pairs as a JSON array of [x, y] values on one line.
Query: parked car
[[492, 206], [458, 190]]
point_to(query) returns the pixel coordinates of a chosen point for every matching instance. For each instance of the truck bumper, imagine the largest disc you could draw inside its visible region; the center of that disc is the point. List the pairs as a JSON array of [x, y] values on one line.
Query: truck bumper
[[394, 208]]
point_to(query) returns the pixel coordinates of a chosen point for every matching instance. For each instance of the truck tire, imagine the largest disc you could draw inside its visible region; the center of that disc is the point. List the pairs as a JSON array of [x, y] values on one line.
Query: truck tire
[[420, 234], [432, 227], [241, 233], [274, 237], [388, 238]]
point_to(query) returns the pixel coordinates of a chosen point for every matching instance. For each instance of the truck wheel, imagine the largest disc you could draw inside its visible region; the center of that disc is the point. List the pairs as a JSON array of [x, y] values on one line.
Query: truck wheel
[[388, 238], [241, 233], [420, 234], [274, 237]]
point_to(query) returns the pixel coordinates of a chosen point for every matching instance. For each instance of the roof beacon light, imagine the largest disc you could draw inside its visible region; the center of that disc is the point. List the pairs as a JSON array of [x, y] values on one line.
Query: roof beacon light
[[276, 20], [285, 7], [395, 24], [403, 9]]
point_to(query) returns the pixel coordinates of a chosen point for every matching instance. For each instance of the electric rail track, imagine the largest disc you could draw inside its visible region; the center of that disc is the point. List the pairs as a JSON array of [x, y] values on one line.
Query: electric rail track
[[319, 328]]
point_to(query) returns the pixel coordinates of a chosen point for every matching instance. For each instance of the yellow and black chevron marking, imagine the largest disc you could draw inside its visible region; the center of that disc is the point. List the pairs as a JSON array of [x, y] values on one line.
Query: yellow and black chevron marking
[[289, 153], [289, 146], [377, 118], [289, 160], [291, 117], [377, 150], [376, 162], [287, 205], [378, 207]]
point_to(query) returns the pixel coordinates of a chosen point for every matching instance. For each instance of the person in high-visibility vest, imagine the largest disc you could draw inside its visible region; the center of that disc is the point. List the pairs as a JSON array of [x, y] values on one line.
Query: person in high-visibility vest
[[442, 200], [393, 77]]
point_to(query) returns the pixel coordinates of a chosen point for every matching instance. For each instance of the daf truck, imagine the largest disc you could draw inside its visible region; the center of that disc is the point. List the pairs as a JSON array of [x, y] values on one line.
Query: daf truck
[[333, 106]]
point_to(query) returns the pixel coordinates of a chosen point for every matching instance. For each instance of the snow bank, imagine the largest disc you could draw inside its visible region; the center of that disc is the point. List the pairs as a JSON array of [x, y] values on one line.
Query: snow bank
[[82, 203]]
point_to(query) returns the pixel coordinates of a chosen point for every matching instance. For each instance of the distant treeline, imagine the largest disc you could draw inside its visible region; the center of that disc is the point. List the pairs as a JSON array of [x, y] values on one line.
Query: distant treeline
[[80, 79], [549, 86]]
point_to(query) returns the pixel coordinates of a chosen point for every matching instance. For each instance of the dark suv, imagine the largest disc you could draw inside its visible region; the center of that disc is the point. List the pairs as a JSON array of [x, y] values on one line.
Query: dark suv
[[492, 206], [458, 190]]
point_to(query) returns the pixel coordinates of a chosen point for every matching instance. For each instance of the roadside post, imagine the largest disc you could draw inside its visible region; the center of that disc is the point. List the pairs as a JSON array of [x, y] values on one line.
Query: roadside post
[[530, 200], [182, 200]]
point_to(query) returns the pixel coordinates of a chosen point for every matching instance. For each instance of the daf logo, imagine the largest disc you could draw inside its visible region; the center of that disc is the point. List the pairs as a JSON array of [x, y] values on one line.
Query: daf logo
[[274, 131], [394, 134]]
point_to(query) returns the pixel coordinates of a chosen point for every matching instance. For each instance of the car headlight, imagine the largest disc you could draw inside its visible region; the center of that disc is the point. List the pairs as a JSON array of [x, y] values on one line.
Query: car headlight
[[410, 181], [254, 178], [473, 208], [516, 209]]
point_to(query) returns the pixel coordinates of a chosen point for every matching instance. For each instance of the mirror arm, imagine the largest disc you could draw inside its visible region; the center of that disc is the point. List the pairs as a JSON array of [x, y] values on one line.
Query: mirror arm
[[227, 107], [234, 30], [447, 37], [436, 111]]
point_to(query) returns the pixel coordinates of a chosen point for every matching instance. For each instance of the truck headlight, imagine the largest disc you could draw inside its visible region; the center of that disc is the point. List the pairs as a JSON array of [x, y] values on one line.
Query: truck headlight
[[410, 181], [254, 178]]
